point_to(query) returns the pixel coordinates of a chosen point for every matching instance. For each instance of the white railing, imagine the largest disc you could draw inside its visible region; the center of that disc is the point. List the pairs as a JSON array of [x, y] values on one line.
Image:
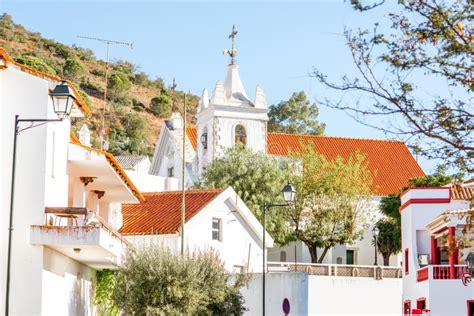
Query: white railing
[[444, 272], [342, 270]]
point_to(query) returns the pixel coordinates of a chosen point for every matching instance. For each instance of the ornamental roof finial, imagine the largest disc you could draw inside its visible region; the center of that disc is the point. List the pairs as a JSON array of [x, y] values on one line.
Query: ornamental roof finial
[[233, 52]]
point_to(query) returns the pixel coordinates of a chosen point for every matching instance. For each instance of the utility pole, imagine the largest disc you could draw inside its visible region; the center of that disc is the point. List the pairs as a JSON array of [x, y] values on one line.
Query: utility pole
[[108, 43], [183, 187]]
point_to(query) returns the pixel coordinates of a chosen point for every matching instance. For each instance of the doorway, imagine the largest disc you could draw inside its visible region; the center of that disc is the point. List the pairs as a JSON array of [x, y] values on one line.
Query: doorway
[[349, 256]]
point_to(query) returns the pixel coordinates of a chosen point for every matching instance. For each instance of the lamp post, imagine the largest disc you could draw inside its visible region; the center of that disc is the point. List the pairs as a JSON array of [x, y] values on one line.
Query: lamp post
[[63, 100], [375, 234], [289, 195]]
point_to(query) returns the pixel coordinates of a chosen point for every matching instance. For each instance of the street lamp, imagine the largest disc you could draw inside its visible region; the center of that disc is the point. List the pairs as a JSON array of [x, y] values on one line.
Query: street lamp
[[375, 234], [289, 196], [63, 100]]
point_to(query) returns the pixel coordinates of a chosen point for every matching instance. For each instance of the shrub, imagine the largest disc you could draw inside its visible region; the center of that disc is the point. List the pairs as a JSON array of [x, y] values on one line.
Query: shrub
[[161, 106], [118, 85], [36, 63], [155, 281], [98, 72], [73, 69]]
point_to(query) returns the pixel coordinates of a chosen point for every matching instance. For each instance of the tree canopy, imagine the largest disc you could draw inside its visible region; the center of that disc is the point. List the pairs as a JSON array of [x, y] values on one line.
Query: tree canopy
[[256, 178], [428, 44], [333, 201], [297, 115]]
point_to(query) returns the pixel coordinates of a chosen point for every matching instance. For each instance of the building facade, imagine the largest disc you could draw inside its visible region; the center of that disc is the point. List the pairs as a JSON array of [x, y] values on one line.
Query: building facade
[[67, 201], [435, 272]]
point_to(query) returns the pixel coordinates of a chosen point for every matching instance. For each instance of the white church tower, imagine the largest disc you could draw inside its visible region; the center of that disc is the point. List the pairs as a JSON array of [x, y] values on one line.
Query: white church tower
[[229, 116]]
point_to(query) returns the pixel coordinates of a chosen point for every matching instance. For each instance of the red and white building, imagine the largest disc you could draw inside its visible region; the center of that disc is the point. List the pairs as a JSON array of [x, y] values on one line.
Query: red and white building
[[434, 266]]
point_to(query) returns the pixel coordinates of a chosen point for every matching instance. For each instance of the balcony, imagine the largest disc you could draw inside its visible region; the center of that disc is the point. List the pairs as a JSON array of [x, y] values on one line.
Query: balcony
[[96, 245], [338, 270], [441, 272]]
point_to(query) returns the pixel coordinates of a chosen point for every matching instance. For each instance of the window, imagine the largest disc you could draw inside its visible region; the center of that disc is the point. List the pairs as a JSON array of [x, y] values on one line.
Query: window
[[421, 303], [407, 308], [240, 135], [217, 229], [282, 256], [204, 139], [406, 261], [349, 256], [170, 172], [470, 308]]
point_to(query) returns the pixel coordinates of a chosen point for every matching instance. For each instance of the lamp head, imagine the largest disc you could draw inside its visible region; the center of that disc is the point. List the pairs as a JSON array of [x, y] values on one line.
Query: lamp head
[[289, 193], [63, 99]]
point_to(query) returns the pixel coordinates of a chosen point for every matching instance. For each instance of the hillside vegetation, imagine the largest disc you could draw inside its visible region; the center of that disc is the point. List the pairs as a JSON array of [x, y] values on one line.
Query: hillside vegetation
[[136, 103]]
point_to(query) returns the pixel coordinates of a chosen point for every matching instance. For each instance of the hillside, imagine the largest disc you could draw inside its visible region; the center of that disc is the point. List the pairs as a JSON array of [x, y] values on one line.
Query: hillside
[[133, 120]]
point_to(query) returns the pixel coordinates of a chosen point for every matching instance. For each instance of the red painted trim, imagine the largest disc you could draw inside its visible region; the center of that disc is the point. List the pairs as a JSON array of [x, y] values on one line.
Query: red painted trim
[[422, 274], [469, 312], [424, 188], [434, 250], [424, 201], [453, 258]]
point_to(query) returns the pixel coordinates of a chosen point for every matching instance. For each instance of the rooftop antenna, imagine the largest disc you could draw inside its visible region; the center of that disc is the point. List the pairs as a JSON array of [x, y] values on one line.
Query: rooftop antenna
[[233, 52], [103, 143]]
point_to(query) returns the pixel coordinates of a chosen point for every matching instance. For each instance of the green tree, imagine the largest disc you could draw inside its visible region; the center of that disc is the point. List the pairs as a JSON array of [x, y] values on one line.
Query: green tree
[[429, 44], [389, 239], [36, 63], [333, 201], [296, 115], [73, 69], [161, 105], [154, 281], [118, 85], [256, 178], [104, 285]]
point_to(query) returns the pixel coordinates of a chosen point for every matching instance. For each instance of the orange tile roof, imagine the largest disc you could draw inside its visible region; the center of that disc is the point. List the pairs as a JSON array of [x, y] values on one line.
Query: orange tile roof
[[161, 212], [81, 104], [192, 135], [114, 164], [390, 162]]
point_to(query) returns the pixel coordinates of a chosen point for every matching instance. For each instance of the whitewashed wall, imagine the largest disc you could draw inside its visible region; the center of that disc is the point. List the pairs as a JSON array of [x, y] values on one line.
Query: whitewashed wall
[[41, 180], [322, 295], [67, 286]]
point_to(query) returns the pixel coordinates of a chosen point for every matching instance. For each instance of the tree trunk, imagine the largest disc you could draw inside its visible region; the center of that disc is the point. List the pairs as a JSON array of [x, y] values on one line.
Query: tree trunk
[[313, 251], [325, 251], [386, 258]]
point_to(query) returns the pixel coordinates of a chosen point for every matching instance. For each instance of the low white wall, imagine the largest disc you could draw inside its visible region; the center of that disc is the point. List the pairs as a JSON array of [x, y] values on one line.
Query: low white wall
[[293, 286], [67, 286], [322, 295], [350, 296]]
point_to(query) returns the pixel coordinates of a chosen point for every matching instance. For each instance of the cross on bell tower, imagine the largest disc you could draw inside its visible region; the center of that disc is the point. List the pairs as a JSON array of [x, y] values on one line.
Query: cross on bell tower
[[233, 52]]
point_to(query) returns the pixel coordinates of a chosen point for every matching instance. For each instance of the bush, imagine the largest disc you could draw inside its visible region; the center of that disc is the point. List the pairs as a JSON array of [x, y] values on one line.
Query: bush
[[36, 63], [137, 105], [118, 85], [98, 72], [155, 281], [73, 69], [161, 106]]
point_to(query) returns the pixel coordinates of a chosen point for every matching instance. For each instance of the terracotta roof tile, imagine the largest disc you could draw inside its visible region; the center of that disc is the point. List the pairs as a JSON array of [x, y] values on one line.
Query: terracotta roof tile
[[390, 162], [192, 135], [161, 212]]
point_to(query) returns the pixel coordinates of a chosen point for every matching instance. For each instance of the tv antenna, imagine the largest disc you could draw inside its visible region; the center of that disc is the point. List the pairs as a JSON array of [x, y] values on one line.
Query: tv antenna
[[103, 143]]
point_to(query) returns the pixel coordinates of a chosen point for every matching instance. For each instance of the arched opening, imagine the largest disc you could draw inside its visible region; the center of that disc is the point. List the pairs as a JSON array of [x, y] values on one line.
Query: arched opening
[[240, 135]]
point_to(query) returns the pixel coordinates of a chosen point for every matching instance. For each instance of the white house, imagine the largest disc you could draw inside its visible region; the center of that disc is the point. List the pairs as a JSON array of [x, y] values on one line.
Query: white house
[[137, 163], [215, 218], [435, 270], [67, 202], [230, 116]]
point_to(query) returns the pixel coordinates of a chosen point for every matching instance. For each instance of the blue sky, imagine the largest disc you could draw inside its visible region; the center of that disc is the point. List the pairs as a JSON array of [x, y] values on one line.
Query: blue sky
[[278, 43]]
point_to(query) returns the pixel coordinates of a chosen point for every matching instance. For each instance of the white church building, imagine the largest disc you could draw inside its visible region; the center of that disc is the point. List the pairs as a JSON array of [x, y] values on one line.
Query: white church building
[[230, 116]]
